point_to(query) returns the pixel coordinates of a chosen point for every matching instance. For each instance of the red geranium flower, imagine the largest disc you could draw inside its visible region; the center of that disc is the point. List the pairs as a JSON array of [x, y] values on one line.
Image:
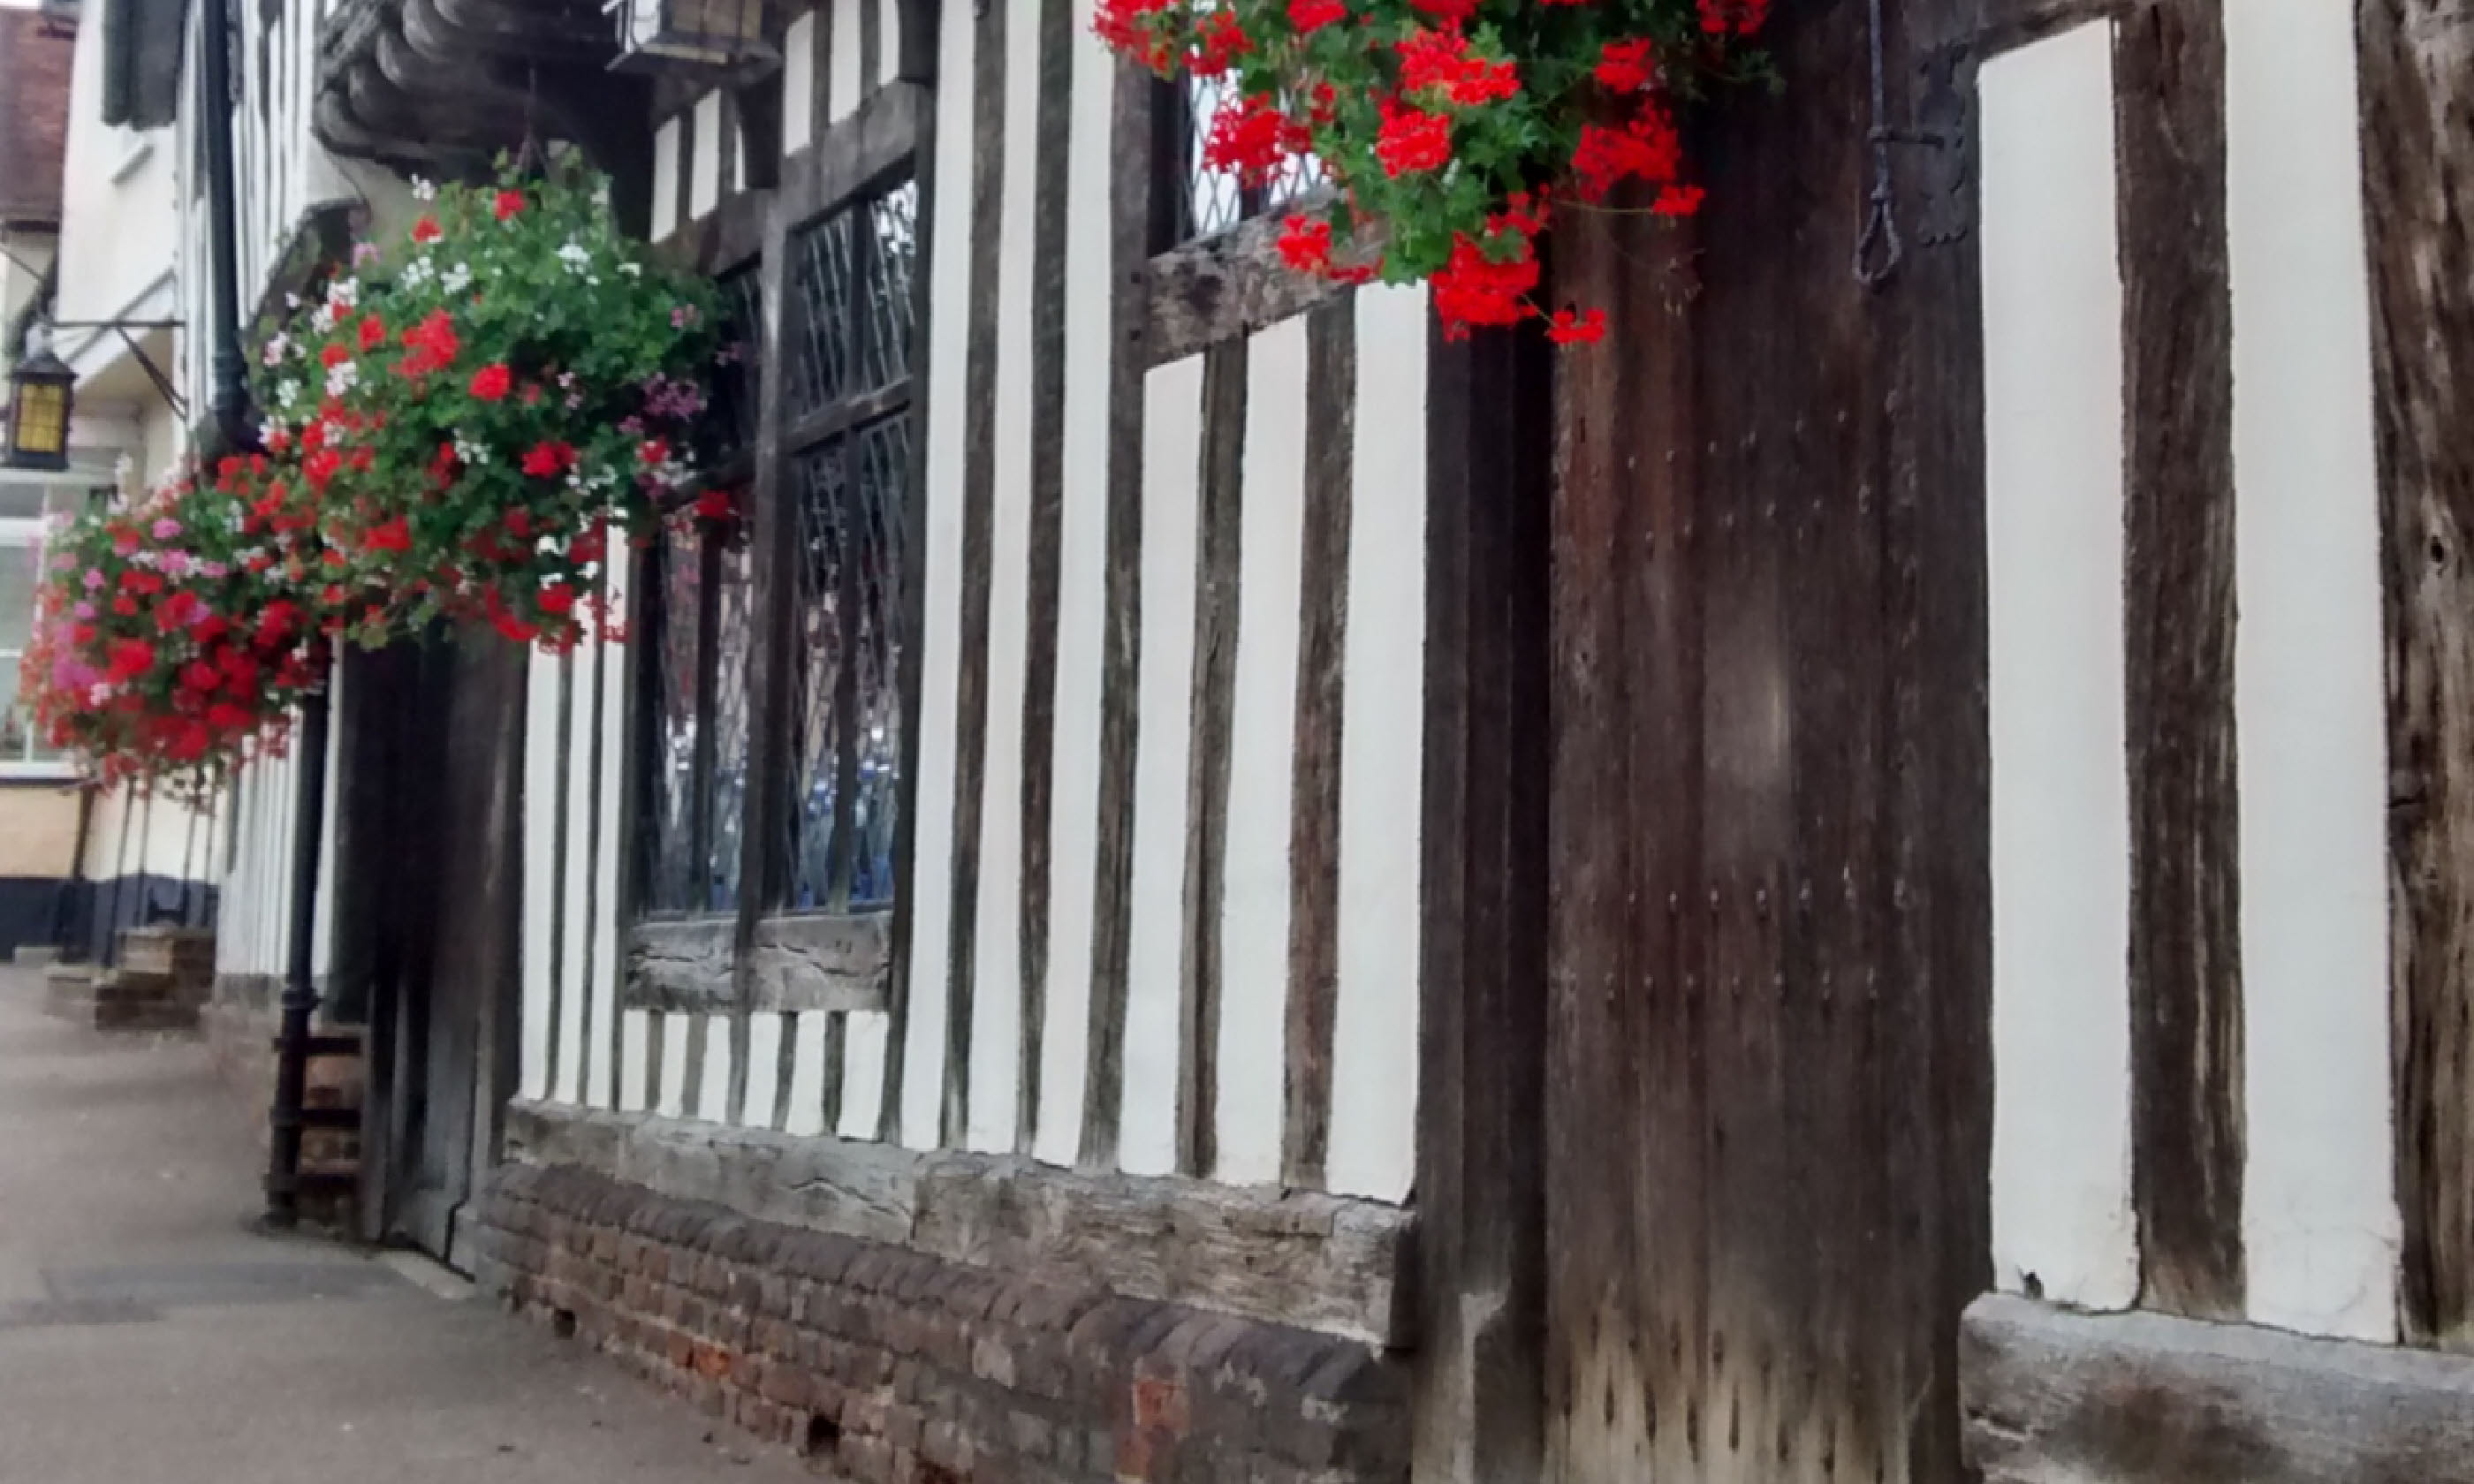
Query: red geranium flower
[[491, 383], [508, 204]]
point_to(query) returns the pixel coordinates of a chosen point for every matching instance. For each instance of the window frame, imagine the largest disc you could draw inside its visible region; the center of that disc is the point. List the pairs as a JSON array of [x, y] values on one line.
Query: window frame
[[762, 954]]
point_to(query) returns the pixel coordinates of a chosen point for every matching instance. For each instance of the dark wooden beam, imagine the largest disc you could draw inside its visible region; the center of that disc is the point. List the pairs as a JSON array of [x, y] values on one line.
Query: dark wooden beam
[[861, 155], [2417, 99], [1219, 538], [1224, 288], [1312, 1013], [978, 433], [1129, 193], [1052, 139], [1481, 1366], [2186, 859]]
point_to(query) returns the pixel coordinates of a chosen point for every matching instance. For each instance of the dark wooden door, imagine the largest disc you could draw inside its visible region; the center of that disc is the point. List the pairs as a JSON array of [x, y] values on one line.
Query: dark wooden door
[[445, 926], [1768, 1098]]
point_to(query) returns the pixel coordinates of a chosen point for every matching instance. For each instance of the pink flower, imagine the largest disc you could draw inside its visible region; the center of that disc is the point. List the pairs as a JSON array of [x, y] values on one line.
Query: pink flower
[[85, 610], [166, 528], [94, 579]]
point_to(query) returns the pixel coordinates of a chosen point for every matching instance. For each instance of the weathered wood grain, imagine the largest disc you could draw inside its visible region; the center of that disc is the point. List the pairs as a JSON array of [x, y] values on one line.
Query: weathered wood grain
[[836, 1055], [978, 541], [682, 966], [1315, 1262], [1220, 542], [807, 963], [1938, 1073], [1765, 1110], [2056, 1397], [868, 151], [1052, 139], [2417, 91], [1480, 1373], [1224, 288], [1131, 188], [2178, 591], [721, 241], [1311, 1014]]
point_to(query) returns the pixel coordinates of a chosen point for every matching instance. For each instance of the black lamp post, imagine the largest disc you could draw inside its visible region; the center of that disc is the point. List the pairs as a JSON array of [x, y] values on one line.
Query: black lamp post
[[41, 389], [692, 36]]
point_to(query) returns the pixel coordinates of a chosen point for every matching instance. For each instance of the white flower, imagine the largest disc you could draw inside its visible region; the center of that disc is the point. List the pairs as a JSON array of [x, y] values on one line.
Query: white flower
[[422, 189], [323, 319], [417, 273], [632, 270], [287, 391], [344, 293], [574, 256], [273, 354], [470, 452], [342, 377], [455, 280], [100, 696]]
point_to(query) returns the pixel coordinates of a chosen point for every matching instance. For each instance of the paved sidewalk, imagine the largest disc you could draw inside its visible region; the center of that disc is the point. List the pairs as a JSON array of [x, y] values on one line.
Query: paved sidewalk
[[147, 1336]]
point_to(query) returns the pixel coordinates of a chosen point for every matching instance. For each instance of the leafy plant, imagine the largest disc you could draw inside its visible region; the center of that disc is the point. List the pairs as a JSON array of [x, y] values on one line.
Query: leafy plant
[[481, 408], [174, 635]]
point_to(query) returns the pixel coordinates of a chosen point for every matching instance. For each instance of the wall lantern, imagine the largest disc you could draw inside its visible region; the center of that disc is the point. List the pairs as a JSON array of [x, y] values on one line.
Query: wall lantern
[[692, 36], [41, 386]]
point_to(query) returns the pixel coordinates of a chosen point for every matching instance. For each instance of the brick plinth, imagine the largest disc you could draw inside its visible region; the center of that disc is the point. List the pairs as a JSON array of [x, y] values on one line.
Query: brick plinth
[[901, 1368]]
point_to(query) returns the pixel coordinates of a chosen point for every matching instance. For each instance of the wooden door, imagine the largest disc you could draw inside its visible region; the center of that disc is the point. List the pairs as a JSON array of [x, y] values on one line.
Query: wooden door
[[1767, 1105], [445, 940]]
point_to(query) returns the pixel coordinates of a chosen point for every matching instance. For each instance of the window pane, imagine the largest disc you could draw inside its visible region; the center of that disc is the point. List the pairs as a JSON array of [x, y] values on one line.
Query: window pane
[[742, 340], [882, 479], [894, 220], [815, 767], [669, 840], [19, 565], [851, 494], [819, 325], [1216, 200], [734, 631]]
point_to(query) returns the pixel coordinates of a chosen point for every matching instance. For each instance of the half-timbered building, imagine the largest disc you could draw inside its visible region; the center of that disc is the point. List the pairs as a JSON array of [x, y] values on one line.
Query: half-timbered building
[[1864, 882]]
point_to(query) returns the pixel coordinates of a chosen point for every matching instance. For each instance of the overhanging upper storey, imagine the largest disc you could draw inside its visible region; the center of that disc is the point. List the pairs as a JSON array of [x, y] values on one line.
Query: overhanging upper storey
[[442, 85]]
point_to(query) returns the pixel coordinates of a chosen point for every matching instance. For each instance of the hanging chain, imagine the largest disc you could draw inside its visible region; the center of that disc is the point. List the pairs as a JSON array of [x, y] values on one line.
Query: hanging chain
[[1879, 249], [530, 159]]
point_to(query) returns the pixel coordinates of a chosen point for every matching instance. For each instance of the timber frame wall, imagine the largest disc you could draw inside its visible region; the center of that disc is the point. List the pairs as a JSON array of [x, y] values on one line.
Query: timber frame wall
[[1166, 657]]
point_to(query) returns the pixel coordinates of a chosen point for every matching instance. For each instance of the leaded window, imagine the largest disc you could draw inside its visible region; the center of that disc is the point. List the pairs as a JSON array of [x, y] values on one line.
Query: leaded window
[[772, 787]]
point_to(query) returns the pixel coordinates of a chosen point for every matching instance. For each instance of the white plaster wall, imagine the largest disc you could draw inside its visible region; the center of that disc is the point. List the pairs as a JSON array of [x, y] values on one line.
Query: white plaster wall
[[1163, 748], [2320, 1223], [120, 225], [1382, 767], [2062, 1215], [1252, 1060]]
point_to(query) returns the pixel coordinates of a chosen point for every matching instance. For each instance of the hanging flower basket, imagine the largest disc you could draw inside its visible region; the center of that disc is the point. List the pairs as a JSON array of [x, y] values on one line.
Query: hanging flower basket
[[1452, 130], [481, 409], [173, 637]]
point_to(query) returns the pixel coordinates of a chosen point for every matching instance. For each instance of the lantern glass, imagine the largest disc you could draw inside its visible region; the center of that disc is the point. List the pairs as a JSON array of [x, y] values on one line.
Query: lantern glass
[[691, 34], [39, 413]]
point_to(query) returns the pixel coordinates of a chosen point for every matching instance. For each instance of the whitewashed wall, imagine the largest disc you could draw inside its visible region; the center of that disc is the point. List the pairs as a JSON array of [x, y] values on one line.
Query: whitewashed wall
[[2320, 1226], [254, 861], [1372, 1143]]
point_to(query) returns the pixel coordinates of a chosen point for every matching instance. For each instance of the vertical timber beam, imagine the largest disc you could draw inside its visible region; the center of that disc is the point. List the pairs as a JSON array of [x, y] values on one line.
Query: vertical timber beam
[[1480, 1395], [2186, 1028], [2418, 98]]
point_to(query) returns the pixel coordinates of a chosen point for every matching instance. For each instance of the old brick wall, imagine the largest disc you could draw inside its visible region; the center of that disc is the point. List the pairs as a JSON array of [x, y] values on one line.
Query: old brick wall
[[900, 1368]]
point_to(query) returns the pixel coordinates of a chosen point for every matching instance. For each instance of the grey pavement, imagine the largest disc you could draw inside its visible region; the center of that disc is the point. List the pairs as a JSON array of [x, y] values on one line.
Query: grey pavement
[[149, 1336]]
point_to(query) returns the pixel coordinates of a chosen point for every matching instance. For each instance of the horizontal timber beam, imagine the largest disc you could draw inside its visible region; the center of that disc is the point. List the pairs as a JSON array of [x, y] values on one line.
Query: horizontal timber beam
[[1309, 1261], [2053, 1397]]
